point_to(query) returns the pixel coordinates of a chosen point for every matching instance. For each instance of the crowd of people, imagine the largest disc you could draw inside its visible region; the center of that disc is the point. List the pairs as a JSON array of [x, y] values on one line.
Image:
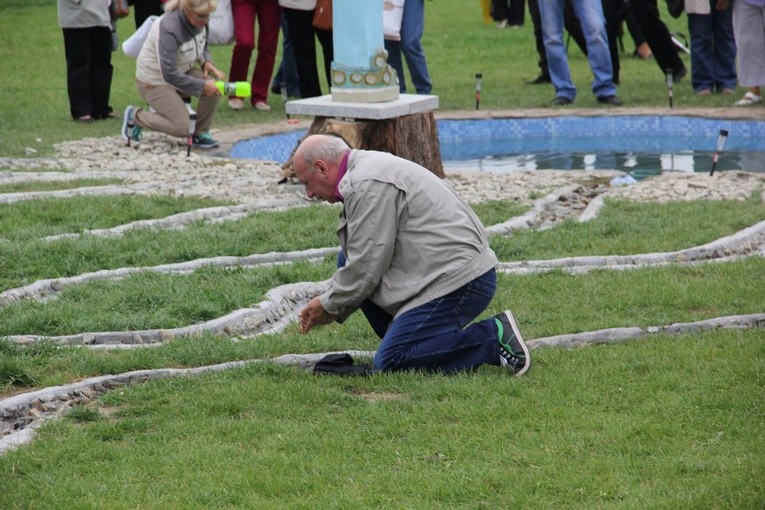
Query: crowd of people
[[727, 48]]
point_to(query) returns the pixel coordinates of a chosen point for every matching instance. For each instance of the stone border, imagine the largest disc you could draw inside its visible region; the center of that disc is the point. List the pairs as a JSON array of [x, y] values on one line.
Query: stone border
[[22, 414]]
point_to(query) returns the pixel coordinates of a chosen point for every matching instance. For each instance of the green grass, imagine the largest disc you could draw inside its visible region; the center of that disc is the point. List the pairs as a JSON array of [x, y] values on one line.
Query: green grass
[[54, 186], [624, 227], [29, 220], [34, 106], [663, 422], [591, 428]]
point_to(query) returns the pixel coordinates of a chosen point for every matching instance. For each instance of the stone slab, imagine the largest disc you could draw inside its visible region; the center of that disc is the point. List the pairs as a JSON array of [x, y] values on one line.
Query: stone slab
[[324, 106]]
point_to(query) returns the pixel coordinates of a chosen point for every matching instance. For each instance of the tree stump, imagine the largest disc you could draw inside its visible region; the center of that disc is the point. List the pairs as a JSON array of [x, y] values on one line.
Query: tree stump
[[413, 137]]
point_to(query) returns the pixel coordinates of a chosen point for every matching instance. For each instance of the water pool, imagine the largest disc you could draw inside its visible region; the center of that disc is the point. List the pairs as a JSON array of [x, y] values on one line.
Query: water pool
[[640, 145]]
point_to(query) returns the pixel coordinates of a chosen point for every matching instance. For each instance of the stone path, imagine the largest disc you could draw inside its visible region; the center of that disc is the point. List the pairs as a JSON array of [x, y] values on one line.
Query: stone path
[[160, 166]]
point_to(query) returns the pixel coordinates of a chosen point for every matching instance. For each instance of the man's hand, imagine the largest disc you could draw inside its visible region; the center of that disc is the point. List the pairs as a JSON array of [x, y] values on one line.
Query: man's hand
[[314, 315]]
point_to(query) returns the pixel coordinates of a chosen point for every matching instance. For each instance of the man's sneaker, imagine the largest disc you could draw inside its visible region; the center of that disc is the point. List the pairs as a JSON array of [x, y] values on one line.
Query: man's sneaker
[[128, 123], [204, 141], [513, 352]]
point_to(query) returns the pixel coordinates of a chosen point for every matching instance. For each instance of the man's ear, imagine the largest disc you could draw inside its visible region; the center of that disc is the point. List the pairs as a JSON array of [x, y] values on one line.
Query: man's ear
[[322, 168]]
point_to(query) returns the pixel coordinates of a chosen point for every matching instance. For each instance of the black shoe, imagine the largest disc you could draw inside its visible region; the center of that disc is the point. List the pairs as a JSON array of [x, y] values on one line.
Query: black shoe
[[561, 101], [610, 100], [540, 80], [513, 351]]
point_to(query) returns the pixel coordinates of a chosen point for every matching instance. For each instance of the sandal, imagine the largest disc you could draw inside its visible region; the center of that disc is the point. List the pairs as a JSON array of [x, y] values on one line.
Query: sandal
[[84, 119], [749, 98]]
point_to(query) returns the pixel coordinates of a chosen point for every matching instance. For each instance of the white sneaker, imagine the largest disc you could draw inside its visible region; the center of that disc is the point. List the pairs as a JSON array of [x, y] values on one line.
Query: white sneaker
[[235, 103], [260, 105]]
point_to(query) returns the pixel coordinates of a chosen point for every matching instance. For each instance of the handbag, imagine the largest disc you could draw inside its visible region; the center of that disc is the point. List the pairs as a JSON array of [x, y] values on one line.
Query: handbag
[[221, 25], [133, 44], [322, 15], [119, 9], [393, 11], [675, 7]]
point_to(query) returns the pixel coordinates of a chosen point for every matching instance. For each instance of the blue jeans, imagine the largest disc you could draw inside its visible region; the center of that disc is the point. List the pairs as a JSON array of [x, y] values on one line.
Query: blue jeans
[[713, 50], [287, 72], [434, 336], [590, 14], [412, 26]]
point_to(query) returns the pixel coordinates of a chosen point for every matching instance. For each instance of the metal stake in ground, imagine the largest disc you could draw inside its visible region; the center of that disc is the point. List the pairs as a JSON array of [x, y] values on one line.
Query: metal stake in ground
[[670, 79], [721, 137], [192, 128], [285, 96], [478, 77]]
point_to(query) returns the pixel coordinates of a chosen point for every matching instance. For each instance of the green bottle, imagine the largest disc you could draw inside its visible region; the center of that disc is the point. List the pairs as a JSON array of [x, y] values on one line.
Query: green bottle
[[234, 88]]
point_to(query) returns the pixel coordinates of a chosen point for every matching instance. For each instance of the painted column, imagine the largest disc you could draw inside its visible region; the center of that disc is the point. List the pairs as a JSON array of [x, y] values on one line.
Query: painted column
[[360, 71]]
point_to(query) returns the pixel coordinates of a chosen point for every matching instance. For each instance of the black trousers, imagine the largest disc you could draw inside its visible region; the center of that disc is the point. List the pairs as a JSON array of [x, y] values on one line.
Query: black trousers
[[89, 70], [657, 35], [142, 9], [513, 11], [303, 37]]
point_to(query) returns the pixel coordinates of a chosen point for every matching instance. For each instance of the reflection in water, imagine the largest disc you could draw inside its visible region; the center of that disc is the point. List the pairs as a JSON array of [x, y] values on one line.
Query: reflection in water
[[639, 165]]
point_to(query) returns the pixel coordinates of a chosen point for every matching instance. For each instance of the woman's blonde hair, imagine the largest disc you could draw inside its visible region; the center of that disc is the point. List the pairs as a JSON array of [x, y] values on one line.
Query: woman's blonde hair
[[201, 7]]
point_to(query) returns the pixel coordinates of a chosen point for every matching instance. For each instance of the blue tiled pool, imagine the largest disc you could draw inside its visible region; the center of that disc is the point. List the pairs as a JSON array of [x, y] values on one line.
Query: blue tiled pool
[[636, 144]]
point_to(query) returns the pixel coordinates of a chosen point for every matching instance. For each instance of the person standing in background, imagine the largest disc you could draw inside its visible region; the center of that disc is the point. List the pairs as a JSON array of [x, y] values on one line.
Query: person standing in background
[[268, 15], [590, 14], [412, 27], [303, 34], [713, 48], [508, 13], [86, 25]]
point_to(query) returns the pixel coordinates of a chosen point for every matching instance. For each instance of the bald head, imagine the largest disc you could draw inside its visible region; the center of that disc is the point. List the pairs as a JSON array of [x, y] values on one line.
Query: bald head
[[316, 163], [326, 148]]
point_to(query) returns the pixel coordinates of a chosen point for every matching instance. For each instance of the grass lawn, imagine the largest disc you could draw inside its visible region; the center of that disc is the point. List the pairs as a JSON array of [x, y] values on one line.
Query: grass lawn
[[666, 422]]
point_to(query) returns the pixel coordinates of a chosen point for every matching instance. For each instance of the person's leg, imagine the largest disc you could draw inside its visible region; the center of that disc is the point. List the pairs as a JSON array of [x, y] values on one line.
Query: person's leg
[[517, 12], [304, 44], [243, 12], [749, 31], [551, 12], [499, 10], [327, 52], [536, 21], [438, 336], [702, 53], [658, 37], [205, 107], [573, 26], [101, 71], [412, 27], [268, 15], [287, 72], [77, 53], [613, 26], [725, 50], [590, 14], [170, 115], [394, 59]]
